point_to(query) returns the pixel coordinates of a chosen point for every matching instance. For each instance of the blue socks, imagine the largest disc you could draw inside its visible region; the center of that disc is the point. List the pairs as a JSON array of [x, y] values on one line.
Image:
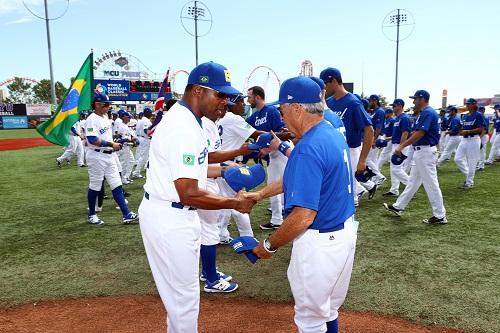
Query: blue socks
[[332, 326], [120, 200], [208, 255], [92, 197]]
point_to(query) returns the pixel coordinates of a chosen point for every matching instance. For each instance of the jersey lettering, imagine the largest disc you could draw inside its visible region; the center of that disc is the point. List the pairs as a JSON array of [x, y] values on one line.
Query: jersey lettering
[[260, 121], [203, 156]]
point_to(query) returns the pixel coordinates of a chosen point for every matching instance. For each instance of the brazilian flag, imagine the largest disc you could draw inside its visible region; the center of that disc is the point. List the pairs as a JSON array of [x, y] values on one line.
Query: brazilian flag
[[78, 98]]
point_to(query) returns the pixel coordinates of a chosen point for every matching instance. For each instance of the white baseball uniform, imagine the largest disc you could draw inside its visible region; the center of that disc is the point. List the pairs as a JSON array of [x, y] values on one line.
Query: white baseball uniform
[[495, 141], [143, 148], [125, 155], [171, 231], [75, 146]]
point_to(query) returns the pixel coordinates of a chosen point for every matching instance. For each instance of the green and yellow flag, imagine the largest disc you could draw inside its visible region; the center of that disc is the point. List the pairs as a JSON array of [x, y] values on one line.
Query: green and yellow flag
[[78, 98]]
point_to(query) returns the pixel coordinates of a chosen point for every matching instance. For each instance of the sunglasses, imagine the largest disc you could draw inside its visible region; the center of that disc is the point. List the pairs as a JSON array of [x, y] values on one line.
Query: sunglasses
[[104, 103], [220, 95]]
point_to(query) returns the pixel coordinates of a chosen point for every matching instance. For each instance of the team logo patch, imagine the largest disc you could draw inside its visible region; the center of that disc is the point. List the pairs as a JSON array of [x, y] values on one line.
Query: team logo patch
[[90, 130], [244, 171], [248, 126], [188, 159], [204, 79], [228, 75]]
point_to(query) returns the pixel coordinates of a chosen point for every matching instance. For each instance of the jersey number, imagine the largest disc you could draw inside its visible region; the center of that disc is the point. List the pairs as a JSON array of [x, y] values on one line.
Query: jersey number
[[348, 165]]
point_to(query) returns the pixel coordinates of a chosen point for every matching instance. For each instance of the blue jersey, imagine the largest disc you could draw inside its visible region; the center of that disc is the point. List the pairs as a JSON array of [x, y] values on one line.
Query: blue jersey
[[350, 109], [402, 124], [454, 125], [486, 123], [497, 124], [335, 120], [266, 119], [472, 121], [443, 122], [318, 177], [388, 127], [378, 118], [427, 121]]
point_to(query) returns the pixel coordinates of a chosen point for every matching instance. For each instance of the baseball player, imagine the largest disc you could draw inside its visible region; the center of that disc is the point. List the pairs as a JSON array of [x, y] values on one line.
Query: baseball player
[[126, 136], [267, 118], [467, 155], [400, 133], [328, 114], [423, 172], [444, 121], [175, 187], [144, 140], [378, 120], [319, 203], [495, 139], [484, 139], [102, 160], [75, 145], [452, 133], [357, 125], [386, 152]]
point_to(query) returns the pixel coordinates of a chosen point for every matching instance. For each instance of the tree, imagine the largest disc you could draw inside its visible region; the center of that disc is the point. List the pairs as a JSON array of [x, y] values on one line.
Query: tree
[[42, 92], [20, 91]]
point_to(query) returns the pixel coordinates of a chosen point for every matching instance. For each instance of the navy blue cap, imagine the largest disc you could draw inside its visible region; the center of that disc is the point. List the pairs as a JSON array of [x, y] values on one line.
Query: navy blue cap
[[101, 98], [398, 101], [233, 99], [212, 75], [125, 114], [421, 93], [470, 101], [451, 108], [300, 89], [318, 81], [365, 102], [398, 160], [389, 110], [374, 97], [497, 107], [329, 74], [481, 108], [147, 110]]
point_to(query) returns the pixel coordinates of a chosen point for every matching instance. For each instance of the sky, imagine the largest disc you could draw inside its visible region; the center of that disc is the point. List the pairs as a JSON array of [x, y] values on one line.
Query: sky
[[454, 44]]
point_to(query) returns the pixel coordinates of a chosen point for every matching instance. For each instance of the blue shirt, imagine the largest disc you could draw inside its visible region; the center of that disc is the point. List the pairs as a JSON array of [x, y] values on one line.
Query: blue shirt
[[444, 121], [402, 124], [335, 120], [427, 121], [473, 120], [497, 124], [486, 123], [388, 126], [454, 125], [266, 119], [318, 176], [378, 118], [350, 109]]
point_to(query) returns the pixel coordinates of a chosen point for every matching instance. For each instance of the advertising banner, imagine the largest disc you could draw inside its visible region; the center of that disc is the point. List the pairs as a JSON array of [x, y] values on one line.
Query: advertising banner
[[38, 109], [117, 90], [10, 122], [123, 90], [10, 109]]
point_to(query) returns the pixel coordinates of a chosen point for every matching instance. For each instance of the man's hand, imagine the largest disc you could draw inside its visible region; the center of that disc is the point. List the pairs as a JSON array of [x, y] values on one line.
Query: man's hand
[[398, 150], [361, 167], [245, 150], [245, 204], [255, 196], [260, 252], [285, 135], [117, 146]]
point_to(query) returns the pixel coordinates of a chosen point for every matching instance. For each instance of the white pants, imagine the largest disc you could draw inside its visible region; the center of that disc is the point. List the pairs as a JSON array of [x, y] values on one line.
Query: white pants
[[102, 166], [319, 273], [451, 147], [358, 187], [398, 174], [171, 239], [495, 148], [209, 219], [409, 161], [443, 138], [423, 172], [127, 161], [385, 155], [75, 148], [467, 156], [372, 162], [482, 152], [242, 220], [275, 170], [142, 155]]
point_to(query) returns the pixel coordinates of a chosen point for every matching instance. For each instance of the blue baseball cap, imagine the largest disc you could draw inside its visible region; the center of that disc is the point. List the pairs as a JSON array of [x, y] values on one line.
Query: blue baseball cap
[[245, 177], [389, 110], [233, 99], [398, 102], [147, 110], [125, 114], [212, 75], [398, 160], [365, 102], [421, 93], [470, 101], [451, 108], [374, 97], [329, 74], [481, 108], [263, 141], [100, 98], [300, 89], [497, 107], [318, 81]]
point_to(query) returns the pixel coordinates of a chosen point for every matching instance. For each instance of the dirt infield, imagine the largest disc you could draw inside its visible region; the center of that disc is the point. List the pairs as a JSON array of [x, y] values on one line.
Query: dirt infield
[[22, 143], [145, 314]]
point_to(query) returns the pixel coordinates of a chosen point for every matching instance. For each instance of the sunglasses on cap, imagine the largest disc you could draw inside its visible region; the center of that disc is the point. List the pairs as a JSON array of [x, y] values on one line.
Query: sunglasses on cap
[[220, 95]]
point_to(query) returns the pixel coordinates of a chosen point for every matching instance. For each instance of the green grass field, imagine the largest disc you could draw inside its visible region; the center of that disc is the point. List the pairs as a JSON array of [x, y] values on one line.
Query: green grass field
[[19, 133], [446, 275]]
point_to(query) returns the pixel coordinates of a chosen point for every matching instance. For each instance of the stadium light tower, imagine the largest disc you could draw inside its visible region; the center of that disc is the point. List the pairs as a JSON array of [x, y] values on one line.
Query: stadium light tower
[[196, 11]]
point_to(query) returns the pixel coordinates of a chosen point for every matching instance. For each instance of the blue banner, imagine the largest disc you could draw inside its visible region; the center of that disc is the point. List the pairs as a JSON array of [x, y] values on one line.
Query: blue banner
[[10, 122]]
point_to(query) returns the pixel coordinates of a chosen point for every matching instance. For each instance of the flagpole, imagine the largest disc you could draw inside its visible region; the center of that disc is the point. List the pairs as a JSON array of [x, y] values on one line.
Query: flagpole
[[52, 84]]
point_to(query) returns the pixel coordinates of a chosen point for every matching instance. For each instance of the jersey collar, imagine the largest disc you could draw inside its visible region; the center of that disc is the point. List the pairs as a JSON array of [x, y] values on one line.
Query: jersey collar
[[184, 104]]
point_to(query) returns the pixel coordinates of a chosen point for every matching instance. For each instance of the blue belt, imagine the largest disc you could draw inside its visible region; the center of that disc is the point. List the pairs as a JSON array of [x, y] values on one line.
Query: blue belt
[[177, 205], [336, 228]]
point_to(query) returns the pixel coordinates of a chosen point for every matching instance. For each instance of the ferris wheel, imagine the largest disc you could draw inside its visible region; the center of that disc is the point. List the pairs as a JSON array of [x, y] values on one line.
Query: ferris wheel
[[9, 81], [178, 83], [117, 64], [265, 77]]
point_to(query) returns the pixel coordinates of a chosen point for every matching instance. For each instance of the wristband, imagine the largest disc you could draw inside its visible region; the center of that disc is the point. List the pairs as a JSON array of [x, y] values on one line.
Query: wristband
[[222, 171], [105, 143], [283, 147]]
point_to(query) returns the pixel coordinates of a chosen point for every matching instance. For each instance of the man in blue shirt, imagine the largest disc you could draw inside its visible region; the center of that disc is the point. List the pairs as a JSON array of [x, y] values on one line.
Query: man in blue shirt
[[386, 152], [452, 133], [495, 139], [377, 114], [443, 126], [484, 139], [400, 132], [467, 155], [423, 172], [319, 203], [267, 118], [357, 124]]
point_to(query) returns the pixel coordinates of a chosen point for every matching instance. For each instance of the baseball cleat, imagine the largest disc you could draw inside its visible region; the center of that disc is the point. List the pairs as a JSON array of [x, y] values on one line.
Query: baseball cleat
[[389, 194], [372, 191], [380, 181], [361, 194], [131, 217], [269, 226], [467, 186], [435, 220], [68, 162], [393, 209], [59, 164], [226, 241], [83, 166], [488, 162], [220, 286], [93, 219], [137, 176], [221, 275]]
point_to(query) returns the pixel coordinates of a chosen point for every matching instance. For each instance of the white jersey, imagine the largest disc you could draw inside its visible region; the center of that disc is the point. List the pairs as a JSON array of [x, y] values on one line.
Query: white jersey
[[233, 131], [116, 122], [142, 124], [213, 141], [98, 126], [123, 131], [178, 150], [132, 123]]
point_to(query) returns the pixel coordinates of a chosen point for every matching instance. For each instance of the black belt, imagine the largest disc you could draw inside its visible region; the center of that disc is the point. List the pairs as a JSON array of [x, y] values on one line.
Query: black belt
[[470, 135], [177, 205], [103, 151], [453, 134], [336, 228], [420, 147]]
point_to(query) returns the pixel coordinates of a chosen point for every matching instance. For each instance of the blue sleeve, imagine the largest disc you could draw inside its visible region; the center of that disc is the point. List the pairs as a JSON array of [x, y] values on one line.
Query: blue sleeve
[[251, 119], [309, 174], [92, 139], [480, 121], [380, 119], [425, 122], [360, 118], [404, 125], [73, 130], [276, 122]]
